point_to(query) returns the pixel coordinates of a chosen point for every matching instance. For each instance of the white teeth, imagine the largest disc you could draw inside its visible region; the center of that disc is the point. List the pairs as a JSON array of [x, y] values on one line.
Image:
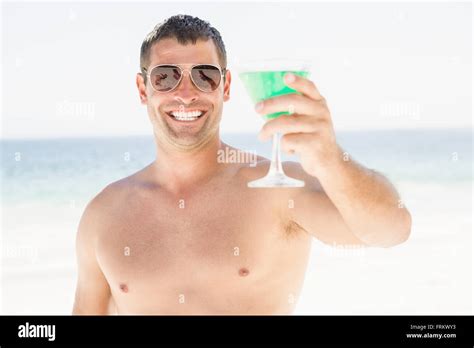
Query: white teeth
[[186, 116]]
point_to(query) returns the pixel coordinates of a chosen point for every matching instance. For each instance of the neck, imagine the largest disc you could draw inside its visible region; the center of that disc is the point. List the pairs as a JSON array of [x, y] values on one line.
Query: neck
[[178, 170]]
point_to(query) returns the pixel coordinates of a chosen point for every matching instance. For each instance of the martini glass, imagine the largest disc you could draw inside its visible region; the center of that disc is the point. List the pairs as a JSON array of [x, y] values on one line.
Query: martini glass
[[264, 79]]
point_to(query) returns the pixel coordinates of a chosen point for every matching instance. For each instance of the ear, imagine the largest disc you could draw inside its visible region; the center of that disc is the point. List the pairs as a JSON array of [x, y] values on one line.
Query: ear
[[228, 79], [141, 88]]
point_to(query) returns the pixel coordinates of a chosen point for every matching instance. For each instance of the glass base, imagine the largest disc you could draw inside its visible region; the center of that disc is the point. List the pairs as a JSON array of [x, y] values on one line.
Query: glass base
[[275, 180]]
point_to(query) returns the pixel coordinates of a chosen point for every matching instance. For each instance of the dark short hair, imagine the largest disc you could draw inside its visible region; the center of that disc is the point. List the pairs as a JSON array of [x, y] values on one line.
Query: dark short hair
[[185, 29]]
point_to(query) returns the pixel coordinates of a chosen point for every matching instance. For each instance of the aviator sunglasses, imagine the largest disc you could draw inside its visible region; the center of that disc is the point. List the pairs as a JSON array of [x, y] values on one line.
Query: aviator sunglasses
[[166, 77]]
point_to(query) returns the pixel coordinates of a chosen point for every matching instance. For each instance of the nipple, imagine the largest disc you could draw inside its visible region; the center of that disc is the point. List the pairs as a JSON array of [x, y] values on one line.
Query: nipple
[[243, 272], [124, 287]]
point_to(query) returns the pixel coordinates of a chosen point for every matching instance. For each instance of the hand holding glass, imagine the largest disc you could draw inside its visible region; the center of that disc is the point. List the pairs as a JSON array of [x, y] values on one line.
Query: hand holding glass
[[263, 80]]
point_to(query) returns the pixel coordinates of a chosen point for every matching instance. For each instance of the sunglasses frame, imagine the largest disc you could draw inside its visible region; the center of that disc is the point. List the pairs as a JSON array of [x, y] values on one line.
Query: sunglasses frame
[[222, 72]]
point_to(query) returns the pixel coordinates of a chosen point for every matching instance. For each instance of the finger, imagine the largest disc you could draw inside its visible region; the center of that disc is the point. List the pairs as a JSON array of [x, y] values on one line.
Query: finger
[[292, 103], [295, 143], [291, 124], [303, 85]]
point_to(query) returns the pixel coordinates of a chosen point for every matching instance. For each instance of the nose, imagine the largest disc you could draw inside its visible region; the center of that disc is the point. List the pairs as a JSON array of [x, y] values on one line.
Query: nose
[[186, 92]]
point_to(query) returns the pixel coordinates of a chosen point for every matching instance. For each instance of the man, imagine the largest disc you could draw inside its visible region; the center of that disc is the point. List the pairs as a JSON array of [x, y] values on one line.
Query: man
[[185, 235]]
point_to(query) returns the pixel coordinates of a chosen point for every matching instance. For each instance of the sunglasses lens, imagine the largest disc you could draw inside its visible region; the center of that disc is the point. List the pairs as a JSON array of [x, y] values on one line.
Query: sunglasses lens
[[206, 77], [165, 77]]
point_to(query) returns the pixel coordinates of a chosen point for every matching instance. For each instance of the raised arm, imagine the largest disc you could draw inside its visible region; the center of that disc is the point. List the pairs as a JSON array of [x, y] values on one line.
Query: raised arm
[[350, 205], [361, 203], [312, 209]]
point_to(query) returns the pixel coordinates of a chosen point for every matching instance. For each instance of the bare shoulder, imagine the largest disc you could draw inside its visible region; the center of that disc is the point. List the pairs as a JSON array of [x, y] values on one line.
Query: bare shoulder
[[253, 170], [292, 169], [109, 197], [287, 203], [108, 203], [97, 213], [295, 170]]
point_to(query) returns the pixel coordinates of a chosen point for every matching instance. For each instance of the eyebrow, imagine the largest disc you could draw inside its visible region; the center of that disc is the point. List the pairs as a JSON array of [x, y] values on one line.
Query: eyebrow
[[186, 64]]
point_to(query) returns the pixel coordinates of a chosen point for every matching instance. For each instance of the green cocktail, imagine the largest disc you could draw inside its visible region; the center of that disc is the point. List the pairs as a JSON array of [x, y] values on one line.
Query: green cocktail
[[262, 85], [264, 79]]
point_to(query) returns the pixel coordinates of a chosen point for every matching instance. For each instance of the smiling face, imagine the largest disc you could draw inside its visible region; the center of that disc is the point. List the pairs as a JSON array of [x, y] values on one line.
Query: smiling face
[[185, 118]]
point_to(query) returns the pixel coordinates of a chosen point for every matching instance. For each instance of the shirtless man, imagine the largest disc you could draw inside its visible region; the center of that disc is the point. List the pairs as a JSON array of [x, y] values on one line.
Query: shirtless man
[[185, 235]]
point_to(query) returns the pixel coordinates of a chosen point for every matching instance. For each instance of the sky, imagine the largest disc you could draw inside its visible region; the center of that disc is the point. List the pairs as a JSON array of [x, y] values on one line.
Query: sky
[[68, 69]]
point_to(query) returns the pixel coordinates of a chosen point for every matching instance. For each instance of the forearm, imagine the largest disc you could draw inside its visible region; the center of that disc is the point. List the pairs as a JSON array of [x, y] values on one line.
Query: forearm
[[367, 201]]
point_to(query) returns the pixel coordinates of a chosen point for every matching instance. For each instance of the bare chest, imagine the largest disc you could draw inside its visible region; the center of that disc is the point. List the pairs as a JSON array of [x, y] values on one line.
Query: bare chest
[[200, 251]]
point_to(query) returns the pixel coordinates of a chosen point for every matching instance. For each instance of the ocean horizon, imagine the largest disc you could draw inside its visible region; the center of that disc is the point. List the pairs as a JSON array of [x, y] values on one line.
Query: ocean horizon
[[81, 165]]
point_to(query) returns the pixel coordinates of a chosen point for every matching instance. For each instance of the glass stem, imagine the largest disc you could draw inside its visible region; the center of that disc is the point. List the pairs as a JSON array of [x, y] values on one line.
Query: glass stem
[[275, 166]]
